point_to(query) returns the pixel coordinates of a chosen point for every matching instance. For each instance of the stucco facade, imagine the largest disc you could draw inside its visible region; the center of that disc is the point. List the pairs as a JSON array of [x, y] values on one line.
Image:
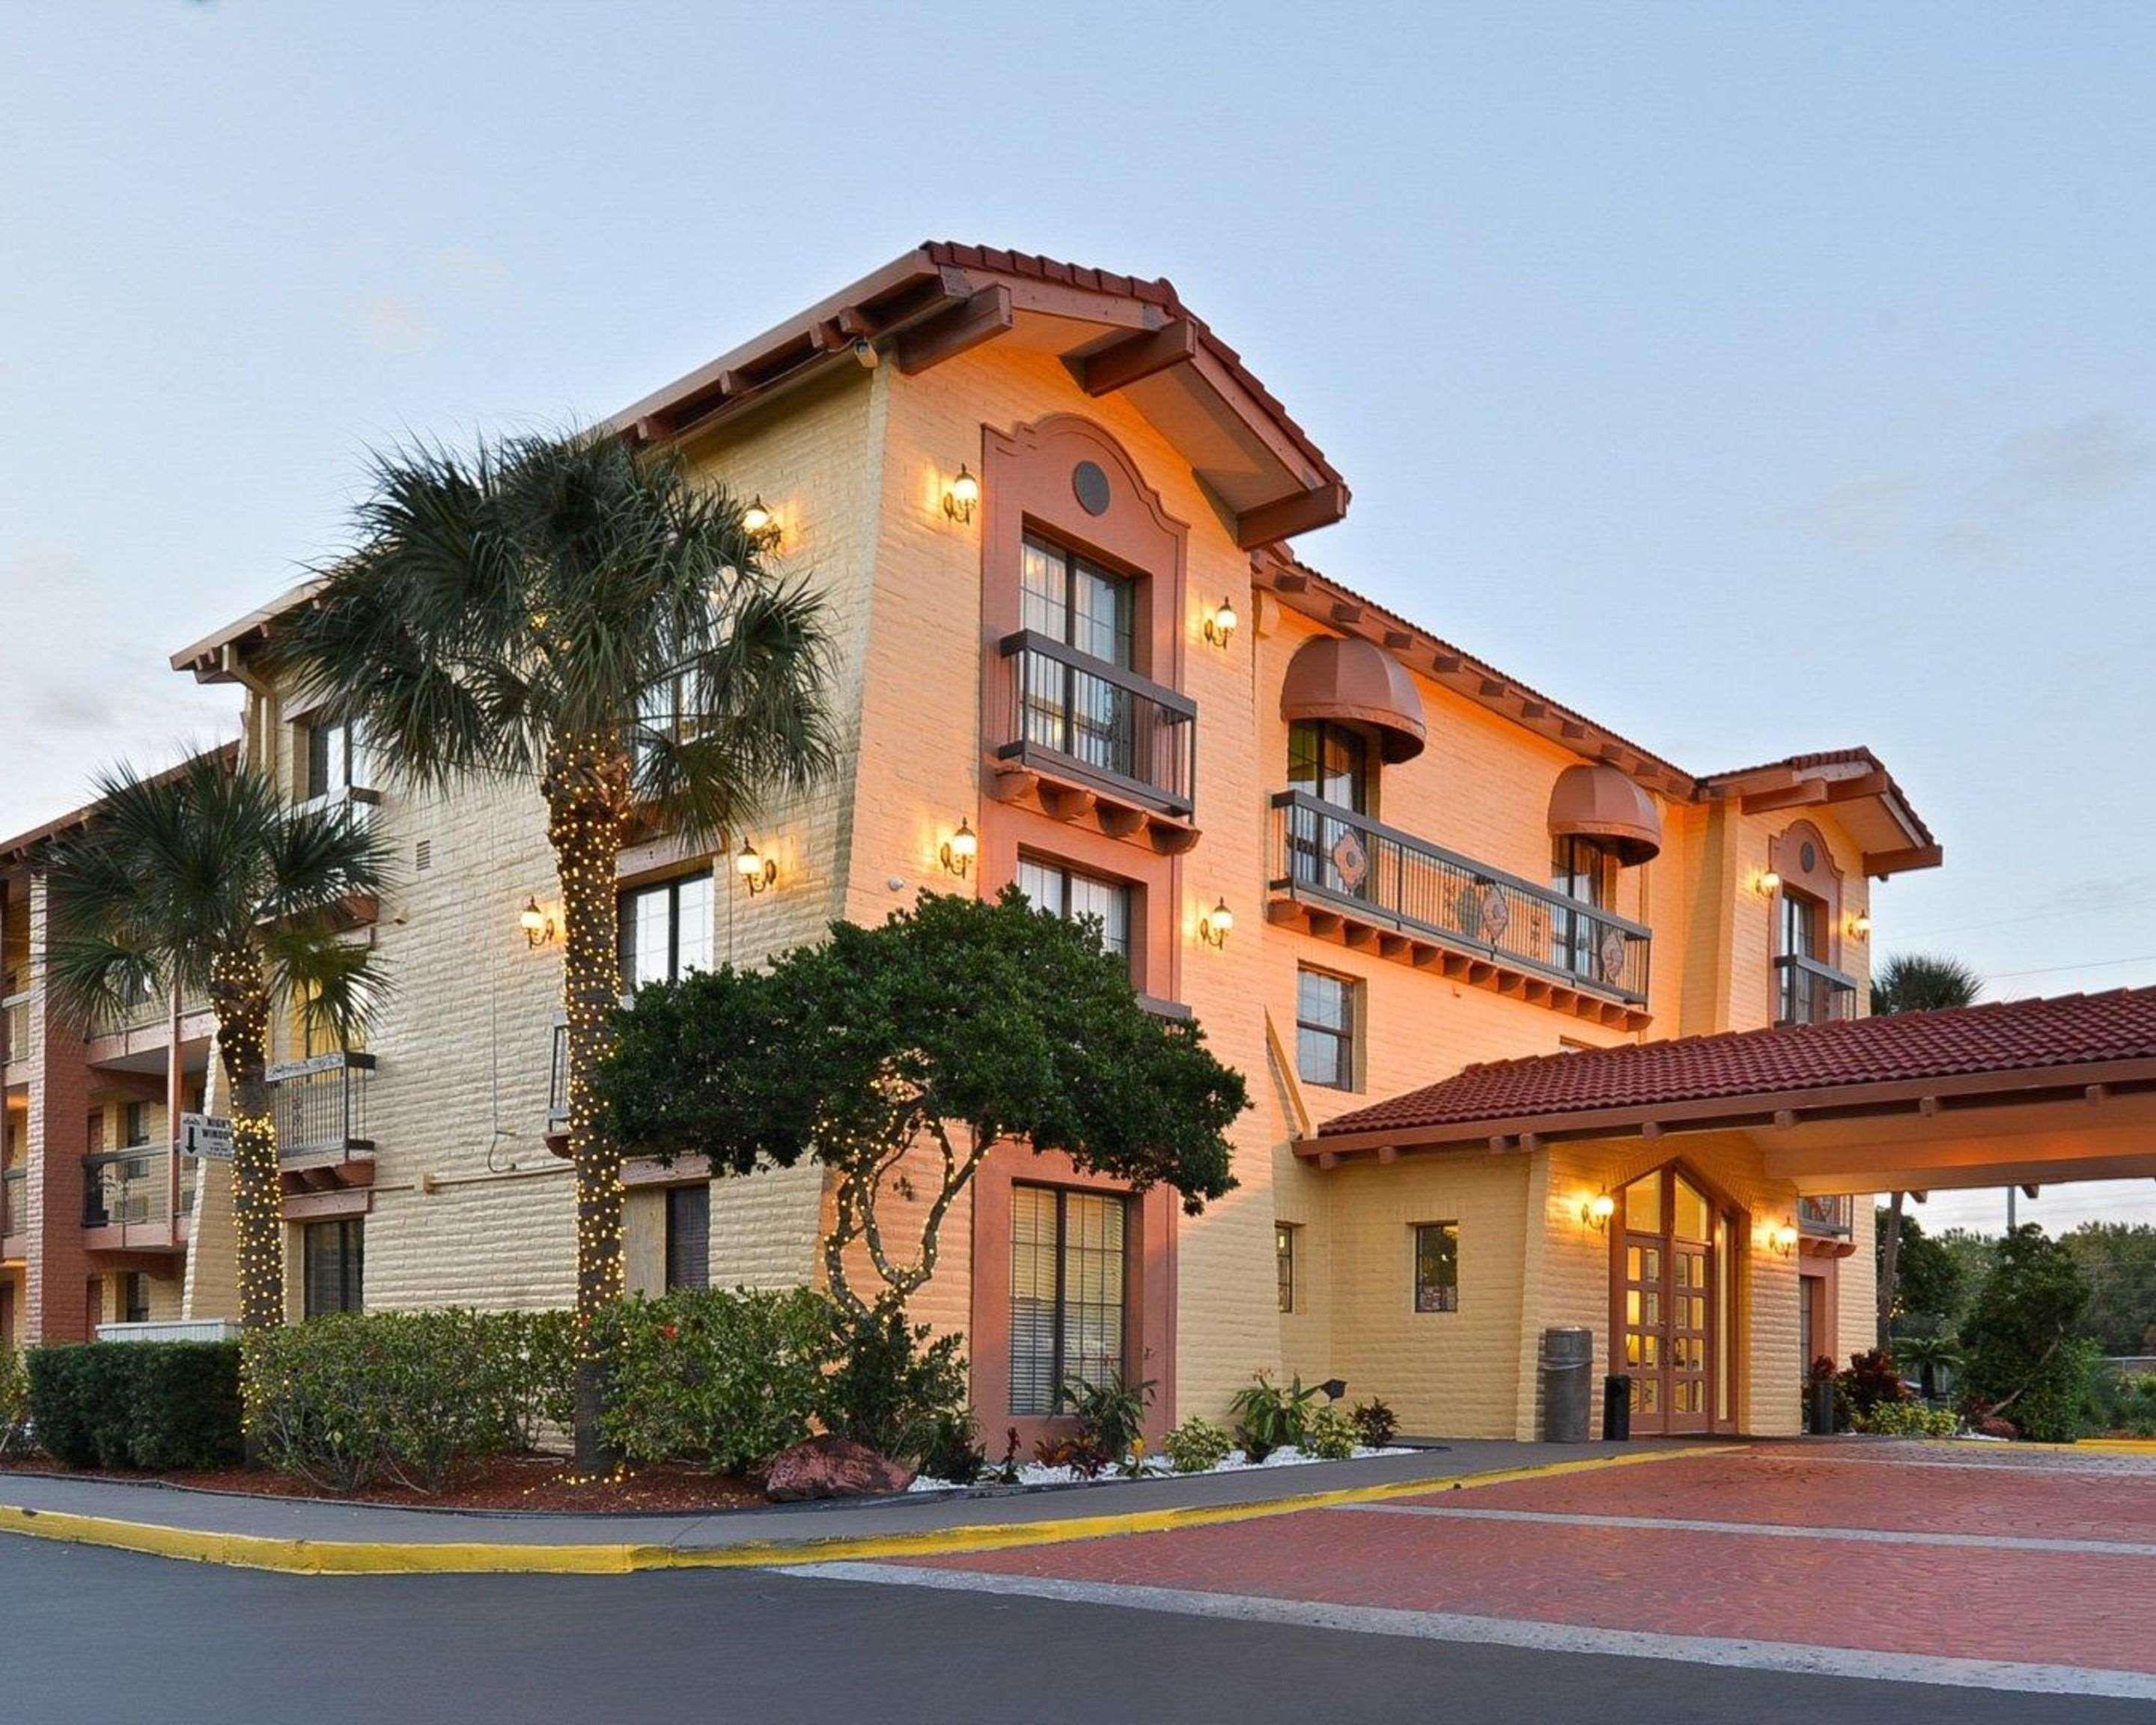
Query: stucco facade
[[1021, 376]]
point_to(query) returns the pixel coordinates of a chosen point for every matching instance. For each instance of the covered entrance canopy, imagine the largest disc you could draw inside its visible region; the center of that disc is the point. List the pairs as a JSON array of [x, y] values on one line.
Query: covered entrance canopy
[[2022, 1092]]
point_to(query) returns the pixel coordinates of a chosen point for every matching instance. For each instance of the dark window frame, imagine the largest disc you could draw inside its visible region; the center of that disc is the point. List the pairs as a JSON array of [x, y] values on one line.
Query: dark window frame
[[350, 1234], [1446, 1292], [1311, 743], [1346, 1036], [688, 1248], [1129, 890], [1127, 585], [134, 1297], [1060, 1305], [1284, 1257], [626, 898]]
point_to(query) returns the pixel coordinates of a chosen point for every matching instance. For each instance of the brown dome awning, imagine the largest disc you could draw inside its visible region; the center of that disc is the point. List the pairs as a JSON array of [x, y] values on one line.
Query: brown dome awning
[[1357, 683], [1600, 802]]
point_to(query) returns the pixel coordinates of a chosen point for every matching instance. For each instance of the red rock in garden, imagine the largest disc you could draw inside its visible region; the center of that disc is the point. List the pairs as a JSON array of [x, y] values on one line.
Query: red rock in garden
[[830, 1466]]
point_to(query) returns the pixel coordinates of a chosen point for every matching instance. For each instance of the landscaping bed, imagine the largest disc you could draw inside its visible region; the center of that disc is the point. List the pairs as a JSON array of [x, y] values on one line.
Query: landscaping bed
[[499, 1484], [1032, 1475]]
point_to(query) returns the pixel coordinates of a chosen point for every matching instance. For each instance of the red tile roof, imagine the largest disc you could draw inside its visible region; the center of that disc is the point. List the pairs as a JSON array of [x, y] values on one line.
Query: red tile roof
[[2002, 1036]]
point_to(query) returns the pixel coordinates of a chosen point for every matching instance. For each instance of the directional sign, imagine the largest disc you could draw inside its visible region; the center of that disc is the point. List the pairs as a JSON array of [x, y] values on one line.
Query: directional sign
[[206, 1136]]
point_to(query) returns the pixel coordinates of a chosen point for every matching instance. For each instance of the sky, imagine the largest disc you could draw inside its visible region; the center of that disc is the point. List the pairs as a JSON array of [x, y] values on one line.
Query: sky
[[1755, 379]]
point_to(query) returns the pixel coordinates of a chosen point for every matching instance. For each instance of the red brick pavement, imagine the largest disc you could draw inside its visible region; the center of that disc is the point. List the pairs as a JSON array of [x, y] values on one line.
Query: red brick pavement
[[2063, 1608]]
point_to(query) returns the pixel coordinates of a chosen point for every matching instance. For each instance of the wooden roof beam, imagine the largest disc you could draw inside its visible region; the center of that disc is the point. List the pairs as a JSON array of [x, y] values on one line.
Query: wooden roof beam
[[981, 317], [1136, 357], [1284, 517]]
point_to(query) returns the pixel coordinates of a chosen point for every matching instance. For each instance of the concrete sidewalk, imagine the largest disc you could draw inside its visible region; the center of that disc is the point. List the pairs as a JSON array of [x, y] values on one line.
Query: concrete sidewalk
[[313, 1538]]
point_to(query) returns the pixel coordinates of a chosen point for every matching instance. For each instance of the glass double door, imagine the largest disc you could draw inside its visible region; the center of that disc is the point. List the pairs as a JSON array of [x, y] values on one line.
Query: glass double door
[[1672, 1300]]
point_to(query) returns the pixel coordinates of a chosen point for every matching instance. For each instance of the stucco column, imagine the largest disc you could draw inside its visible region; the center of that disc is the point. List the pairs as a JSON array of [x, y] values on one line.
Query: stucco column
[[55, 1305]]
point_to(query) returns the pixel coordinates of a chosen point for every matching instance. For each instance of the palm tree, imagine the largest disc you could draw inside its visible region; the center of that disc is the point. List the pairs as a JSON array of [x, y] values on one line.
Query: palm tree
[[206, 881], [561, 610], [1913, 981], [1930, 1355]]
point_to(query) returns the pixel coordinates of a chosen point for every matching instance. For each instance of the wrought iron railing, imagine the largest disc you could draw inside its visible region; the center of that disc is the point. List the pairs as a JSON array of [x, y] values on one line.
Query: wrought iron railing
[[1835, 1216], [1809, 993], [14, 1197], [320, 1105], [1332, 855], [1065, 712], [14, 1027], [129, 1188], [557, 1076]]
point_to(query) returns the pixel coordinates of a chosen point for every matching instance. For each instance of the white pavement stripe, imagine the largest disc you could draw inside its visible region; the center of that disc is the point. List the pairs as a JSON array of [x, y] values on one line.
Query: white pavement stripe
[[1770, 1530], [1790, 1657], [2119, 1467]]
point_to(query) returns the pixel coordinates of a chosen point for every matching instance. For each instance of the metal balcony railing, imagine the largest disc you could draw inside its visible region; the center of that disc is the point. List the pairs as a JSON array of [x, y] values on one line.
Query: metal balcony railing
[[128, 1188], [320, 1105], [1809, 993], [14, 1027], [1332, 855], [14, 1196], [1833, 1218], [557, 1076], [1068, 713]]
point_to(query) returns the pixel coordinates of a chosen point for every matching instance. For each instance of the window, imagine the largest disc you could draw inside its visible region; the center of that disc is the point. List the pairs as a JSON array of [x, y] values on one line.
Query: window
[[1331, 763], [335, 1262], [336, 760], [1437, 1266], [1066, 1293], [1076, 602], [1585, 871], [1325, 1028], [689, 1236], [1284, 1235], [96, 1129], [1067, 894], [666, 930], [135, 1118], [1803, 999], [134, 1297]]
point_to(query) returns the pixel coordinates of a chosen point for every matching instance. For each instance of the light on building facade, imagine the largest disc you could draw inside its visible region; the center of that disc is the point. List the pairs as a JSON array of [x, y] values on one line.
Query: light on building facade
[[756, 870], [962, 495], [959, 850], [1216, 925]]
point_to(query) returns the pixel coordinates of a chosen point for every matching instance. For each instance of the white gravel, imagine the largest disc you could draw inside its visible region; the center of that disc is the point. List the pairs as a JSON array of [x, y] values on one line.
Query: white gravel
[[1032, 1473]]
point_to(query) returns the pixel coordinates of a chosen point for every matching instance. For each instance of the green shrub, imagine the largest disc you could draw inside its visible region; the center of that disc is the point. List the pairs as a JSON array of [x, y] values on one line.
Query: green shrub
[[893, 1388], [151, 1405], [1269, 1417], [954, 1451], [1196, 1445], [1909, 1419], [1873, 1380], [1329, 1435], [1375, 1424], [2054, 1404], [14, 1403], [2121, 1401], [721, 1379], [1110, 1415], [343, 1400]]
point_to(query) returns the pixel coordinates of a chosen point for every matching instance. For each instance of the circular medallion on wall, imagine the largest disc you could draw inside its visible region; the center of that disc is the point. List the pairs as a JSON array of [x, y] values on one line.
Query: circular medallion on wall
[[1089, 484], [1807, 857]]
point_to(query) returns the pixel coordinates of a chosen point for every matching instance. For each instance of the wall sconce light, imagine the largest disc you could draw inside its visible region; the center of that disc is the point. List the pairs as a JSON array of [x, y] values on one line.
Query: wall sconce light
[[1860, 926], [759, 523], [537, 926], [1768, 883], [1220, 623], [961, 495], [1783, 1240], [959, 850], [1216, 925], [757, 870], [1596, 1212]]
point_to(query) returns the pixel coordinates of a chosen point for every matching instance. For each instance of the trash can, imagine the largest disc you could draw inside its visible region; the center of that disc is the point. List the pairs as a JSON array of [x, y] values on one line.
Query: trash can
[[1617, 1408], [1568, 1383], [1820, 1408]]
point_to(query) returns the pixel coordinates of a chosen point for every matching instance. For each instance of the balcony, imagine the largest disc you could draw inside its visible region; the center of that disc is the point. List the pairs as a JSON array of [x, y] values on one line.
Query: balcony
[[127, 1199], [1342, 877], [15, 1028], [15, 1211], [558, 1088], [1809, 993], [1083, 739], [1826, 1225], [320, 1107]]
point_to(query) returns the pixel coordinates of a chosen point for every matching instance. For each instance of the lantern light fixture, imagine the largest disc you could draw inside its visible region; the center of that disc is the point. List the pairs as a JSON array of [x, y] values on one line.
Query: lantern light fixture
[[1216, 925], [962, 495], [537, 926], [959, 850], [759, 522], [1785, 1238], [1595, 1212], [1860, 925], [1220, 623], [756, 870], [1769, 882]]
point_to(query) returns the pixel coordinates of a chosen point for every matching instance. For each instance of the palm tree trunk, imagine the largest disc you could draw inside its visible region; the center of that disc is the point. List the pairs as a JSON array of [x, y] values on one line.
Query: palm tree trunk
[[587, 791], [1890, 1254], [242, 1002]]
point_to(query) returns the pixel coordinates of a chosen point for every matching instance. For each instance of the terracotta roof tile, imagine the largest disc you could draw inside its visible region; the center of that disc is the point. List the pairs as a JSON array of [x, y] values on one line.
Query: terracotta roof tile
[[2001, 1036]]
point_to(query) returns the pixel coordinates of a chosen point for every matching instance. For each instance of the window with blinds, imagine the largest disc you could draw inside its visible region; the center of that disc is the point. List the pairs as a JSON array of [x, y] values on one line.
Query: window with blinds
[[1067, 1288], [334, 1256], [689, 1236]]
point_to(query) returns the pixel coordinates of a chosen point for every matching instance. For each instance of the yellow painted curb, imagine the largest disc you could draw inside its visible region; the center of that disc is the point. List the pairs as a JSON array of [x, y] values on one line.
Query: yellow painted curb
[[319, 1557], [2120, 1446]]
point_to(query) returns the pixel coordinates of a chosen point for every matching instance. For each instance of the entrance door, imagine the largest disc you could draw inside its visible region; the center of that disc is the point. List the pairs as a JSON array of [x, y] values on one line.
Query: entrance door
[[1668, 1286]]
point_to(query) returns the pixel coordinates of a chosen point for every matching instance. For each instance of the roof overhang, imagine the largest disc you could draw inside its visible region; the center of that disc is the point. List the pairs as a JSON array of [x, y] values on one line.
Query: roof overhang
[[1857, 787], [20, 848], [1117, 335], [2076, 1120], [216, 658]]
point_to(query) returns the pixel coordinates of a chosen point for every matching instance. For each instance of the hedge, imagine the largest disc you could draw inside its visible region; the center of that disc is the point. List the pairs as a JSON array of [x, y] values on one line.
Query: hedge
[[148, 1404]]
